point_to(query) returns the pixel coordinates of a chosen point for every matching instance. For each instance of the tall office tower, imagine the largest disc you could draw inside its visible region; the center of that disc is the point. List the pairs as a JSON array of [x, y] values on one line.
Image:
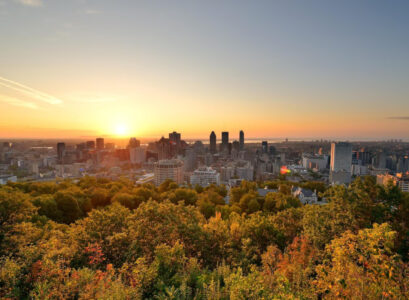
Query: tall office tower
[[168, 169], [241, 139], [134, 143], [225, 137], [90, 144], [264, 146], [341, 161], [100, 143], [225, 141], [174, 137], [213, 143], [60, 152], [190, 160]]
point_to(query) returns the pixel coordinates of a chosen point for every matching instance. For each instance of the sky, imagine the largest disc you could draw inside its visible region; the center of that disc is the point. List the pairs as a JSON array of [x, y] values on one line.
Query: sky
[[295, 69]]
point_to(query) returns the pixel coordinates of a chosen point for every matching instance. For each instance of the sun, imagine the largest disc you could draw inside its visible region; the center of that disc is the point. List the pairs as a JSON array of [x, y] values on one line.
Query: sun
[[121, 129]]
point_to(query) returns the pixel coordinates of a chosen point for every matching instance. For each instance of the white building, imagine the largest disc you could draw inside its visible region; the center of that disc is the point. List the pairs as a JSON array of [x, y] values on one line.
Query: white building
[[168, 169], [341, 161], [204, 176], [304, 195], [146, 178], [404, 184], [5, 178]]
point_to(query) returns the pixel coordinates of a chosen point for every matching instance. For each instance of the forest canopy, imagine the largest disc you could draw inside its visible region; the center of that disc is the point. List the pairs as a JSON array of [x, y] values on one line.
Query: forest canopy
[[102, 239]]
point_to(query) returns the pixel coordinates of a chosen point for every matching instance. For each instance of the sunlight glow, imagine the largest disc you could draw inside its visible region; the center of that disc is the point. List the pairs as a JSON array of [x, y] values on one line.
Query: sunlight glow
[[121, 130]]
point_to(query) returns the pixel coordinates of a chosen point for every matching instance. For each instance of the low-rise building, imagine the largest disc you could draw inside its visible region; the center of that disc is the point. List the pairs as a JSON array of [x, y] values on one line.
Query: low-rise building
[[205, 176], [6, 178], [306, 196]]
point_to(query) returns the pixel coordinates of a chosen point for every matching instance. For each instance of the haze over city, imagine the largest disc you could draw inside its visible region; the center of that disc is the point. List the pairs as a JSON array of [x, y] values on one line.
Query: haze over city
[[284, 69]]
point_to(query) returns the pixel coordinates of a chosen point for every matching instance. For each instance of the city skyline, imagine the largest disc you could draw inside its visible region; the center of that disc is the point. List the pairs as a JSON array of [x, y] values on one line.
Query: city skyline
[[127, 68]]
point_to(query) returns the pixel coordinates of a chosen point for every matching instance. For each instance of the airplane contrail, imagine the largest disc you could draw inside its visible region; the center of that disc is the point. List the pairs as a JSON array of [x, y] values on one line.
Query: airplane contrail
[[18, 102], [29, 91]]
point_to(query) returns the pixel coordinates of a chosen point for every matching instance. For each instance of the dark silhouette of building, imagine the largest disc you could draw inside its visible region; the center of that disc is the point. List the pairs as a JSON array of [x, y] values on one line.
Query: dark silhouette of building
[[213, 143], [100, 143], [153, 155], [264, 146], [174, 138], [134, 143], [60, 152], [241, 139], [225, 141], [90, 145]]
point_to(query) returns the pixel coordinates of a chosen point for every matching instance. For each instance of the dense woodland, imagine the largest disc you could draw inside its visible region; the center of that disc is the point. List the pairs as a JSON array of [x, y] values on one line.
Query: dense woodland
[[101, 239]]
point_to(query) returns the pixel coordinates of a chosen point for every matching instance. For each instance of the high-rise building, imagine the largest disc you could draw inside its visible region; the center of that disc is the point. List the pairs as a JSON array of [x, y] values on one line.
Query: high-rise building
[[100, 143], [134, 143], [225, 141], [174, 138], [168, 169], [241, 139], [60, 152], [225, 137], [213, 143], [264, 146], [190, 160], [341, 161], [90, 145]]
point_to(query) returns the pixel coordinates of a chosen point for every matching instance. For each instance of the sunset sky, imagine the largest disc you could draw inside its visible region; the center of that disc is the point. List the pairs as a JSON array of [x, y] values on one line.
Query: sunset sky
[[297, 69]]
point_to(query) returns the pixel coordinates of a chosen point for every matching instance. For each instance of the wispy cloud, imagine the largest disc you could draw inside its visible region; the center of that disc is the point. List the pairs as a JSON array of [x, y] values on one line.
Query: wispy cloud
[[28, 91], [18, 102], [33, 3], [399, 118], [92, 12]]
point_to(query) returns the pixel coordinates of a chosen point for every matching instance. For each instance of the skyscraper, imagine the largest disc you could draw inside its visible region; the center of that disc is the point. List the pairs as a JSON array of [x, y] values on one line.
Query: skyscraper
[[225, 141], [225, 137], [174, 138], [341, 161], [241, 139], [264, 146], [100, 143], [134, 143], [60, 152], [212, 142]]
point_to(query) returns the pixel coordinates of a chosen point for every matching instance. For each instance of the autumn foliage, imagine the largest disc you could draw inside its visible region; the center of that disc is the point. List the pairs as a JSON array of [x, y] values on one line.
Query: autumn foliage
[[102, 239]]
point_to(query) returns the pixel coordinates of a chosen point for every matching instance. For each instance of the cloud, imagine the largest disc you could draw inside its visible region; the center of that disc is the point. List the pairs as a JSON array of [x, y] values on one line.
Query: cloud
[[33, 3], [92, 12], [28, 91], [17, 102], [399, 118]]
